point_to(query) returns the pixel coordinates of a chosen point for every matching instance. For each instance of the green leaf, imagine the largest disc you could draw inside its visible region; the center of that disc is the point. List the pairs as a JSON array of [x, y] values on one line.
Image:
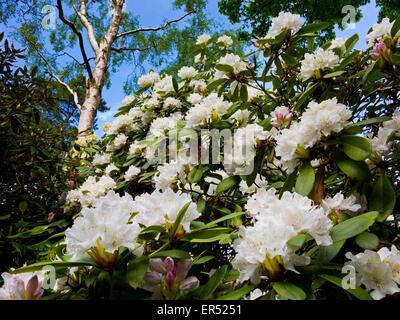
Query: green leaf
[[289, 290], [305, 180], [395, 27], [175, 84], [177, 254], [302, 98], [227, 183], [244, 96], [179, 218], [313, 27], [23, 205], [370, 121], [327, 253], [224, 68], [357, 292], [136, 270], [353, 226], [334, 74], [367, 240], [215, 84], [289, 183], [205, 291], [371, 70], [382, 197], [357, 170], [395, 58], [351, 42], [237, 294], [56, 264], [297, 241], [195, 174], [355, 147]]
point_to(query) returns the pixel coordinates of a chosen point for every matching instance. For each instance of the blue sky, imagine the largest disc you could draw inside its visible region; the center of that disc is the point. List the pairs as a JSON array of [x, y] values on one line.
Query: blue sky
[[155, 12]]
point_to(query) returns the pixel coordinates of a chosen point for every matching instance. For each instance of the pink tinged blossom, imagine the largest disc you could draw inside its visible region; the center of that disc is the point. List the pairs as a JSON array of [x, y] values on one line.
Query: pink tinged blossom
[[378, 48], [34, 289], [337, 211], [51, 216], [71, 183]]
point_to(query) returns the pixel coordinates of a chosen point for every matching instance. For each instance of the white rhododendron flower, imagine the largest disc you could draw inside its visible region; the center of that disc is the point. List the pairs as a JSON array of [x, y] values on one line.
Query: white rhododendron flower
[[102, 159], [159, 126], [215, 181], [171, 101], [105, 225], [91, 189], [259, 183], [22, 286], [338, 42], [110, 169], [168, 174], [118, 143], [379, 142], [235, 62], [319, 119], [203, 38], [285, 20], [241, 147], [313, 63], [339, 202], [379, 30], [164, 85], [377, 271], [225, 40], [127, 100], [264, 244], [187, 73], [194, 98], [148, 79], [203, 111], [131, 173], [162, 208]]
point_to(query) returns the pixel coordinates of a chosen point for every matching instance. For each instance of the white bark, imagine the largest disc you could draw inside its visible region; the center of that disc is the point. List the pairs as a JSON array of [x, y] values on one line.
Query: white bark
[[95, 85]]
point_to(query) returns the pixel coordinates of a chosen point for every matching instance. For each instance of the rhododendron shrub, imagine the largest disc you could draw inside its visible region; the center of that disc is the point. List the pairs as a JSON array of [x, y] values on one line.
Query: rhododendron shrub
[[270, 175]]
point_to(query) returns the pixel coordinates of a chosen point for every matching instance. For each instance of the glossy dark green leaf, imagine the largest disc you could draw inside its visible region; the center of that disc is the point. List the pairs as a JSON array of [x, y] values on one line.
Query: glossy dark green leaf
[[355, 147], [353, 226], [305, 180], [289, 290], [136, 270], [382, 197]]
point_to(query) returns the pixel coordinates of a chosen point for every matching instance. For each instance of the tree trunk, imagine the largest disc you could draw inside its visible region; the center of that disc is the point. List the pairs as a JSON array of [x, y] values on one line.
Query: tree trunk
[[94, 86]]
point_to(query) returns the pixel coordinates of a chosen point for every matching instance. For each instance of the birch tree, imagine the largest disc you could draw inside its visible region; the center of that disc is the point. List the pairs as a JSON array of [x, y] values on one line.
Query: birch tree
[[104, 35]]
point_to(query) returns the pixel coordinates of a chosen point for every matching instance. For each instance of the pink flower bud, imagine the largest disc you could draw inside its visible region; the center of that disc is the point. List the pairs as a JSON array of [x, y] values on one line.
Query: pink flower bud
[[71, 183], [152, 278], [169, 264], [157, 265], [170, 279], [378, 48], [183, 267], [189, 284], [51, 216], [337, 211]]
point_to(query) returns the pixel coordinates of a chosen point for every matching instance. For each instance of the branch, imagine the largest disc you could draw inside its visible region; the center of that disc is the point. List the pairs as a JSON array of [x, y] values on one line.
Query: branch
[[73, 28], [82, 16], [122, 48], [154, 29], [70, 90]]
